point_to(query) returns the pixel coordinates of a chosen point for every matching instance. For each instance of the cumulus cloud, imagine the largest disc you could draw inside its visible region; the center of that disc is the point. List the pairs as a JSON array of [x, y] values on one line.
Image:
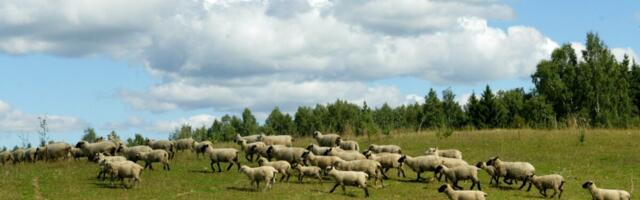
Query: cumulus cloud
[[15, 121], [618, 53]]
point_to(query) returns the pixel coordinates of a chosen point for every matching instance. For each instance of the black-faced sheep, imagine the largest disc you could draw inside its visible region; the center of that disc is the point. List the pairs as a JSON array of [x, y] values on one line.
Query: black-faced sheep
[[461, 194], [385, 148], [257, 174], [218, 155], [350, 178], [326, 140], [552, 181], [605, 194]]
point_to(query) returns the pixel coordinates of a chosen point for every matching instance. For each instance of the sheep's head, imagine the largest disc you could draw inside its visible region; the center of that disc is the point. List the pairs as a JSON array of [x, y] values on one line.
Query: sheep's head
[[443, 188], [492, 161], [338, 141], [479, 164], [317, 134], [587, 184], [310, 147], [329, 169], [326, 153], [439, 169], [261, 161], [204, 147], [367, 153], [402, 158], [243, 168], [81, 144]]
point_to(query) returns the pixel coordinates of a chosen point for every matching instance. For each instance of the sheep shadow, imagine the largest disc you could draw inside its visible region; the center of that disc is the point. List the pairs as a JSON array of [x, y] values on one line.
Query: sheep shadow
[[201, 171], [242, 189]]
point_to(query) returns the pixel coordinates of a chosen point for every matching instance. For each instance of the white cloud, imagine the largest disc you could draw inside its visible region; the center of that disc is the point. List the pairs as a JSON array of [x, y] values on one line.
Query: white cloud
[[16, 121], [618, 53], [168, 126]]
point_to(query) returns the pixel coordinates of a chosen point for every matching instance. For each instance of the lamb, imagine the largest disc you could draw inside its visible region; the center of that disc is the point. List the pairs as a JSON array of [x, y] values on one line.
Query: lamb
[[124, 169], [460, 173], [318, 150], [76, 153], [327, 140], [91, 149], [30, 155], [103, 160], [185, 144], [350, 178], [285, 140], [513, 170], [388, 161], [6, 157], [199, 145], [307, 171], [605, 194], [282, 167], [491, 170], [249, 138], [131, 153], [257, 174], [371, 167], [217, 155], [166, 145], [385, 148], [54, 151], [321, 161], [18, 155], [157, 155], [448, 153], [289, 154], [348, 145], [461, 194], [421, 164], [250, 148], [345, 154], [553, 181]]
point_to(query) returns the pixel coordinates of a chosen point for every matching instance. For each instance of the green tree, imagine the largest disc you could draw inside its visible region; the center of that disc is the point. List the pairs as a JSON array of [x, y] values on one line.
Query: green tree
[[492, 112], [366, 124], [113, 135], [138, 139], [384, 118], [278, 123], [432, 113], [89, 135], [539, 113], [634, 90], [305, 121], [474, 112], [249, 123], [184, 131], [454, 116], [513, 100]]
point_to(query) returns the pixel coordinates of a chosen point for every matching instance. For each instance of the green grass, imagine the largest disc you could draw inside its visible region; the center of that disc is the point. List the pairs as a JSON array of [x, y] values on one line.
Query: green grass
[[611, 158]]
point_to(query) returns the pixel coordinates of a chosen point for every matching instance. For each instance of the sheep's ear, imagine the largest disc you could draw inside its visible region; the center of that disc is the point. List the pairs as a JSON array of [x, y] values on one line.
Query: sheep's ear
[[587, 184]]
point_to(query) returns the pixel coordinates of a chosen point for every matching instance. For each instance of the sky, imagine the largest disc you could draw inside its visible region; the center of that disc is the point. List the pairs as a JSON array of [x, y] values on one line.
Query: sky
[[150, 66]]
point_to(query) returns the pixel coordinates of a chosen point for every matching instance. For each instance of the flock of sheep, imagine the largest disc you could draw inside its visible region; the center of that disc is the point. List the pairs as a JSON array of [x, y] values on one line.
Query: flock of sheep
[[331, 156]]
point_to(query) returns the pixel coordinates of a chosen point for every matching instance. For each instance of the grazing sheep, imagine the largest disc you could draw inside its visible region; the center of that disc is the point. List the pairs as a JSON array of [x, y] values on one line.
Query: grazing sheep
[[18, 155], [307, 171], [250, 148], [257, 174], [91, 149], [6, 157], [348, 145], [76, 153], [199, 146], [447, 153], [462, 194], [321, 161], [345, 154], [350, 178], [282, 167], [513, 170], [326, 140], [491, 170], [124, 169], [605, 194], [30, 155], [289, 154], [385, 148], [460, 173], [53, 151], [371, 167], [185, 144], [166, 145], [421, 164], [217, 155], [103, 160], [157, 155], [553, 181], [318, 150], [131, 153], [248, 138], [285, 140], [388, 161]]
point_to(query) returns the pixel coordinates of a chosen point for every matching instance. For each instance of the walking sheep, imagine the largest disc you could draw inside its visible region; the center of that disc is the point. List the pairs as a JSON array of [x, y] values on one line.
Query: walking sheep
[[348, 145], [448, 153], [91, 149], [460, 173], [345, 154], [285, 140], [199, 145], [553, 181], [249, 138], [371, 167], [289, 154], [6, 157], [605, 194], [125, 169], [283, 167], [307, 171], [53, 151], [250, 149], [321, 161], [131, 153], [217, 155], [461, 194], [513, 170], [385, 148], [388, 161], [157, 155], [350, 178], [326, 140], [30, 155], [185, 144], [169, 146], [257, 174], [18, 155], [491, 170], [421, 164], [318, 150]]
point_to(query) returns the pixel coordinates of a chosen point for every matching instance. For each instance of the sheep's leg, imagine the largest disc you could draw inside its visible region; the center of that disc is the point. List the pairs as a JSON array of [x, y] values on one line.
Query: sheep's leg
[[288, 176], [418, 177], [230, 165], [219, 168], [384, 175], [334, 187], [402, 170], [478, 183], [530, 183], [561, 190], [439, 175], [319, 178], [213, 169], [344, 188], [282, 177], [300, 178], [366, 192], [523, 184], [455, 185], [554, 193]]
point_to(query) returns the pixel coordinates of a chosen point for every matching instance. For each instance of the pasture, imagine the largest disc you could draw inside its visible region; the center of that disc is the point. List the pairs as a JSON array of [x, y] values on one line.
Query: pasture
[[611, 158]]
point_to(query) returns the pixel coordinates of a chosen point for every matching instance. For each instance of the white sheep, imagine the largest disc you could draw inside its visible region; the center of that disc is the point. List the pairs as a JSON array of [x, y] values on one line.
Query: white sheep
[[318, 150], [321, 161], [157, 155], [348, 145], [388, 161], [385, 148], [460, 173], [185, 144], [462, 194], [451, 163], [345, 154], [249, 138], [217, 155], [326, 140], [421, 164], [350, 178], [285, 140], [169, 146], [76, 153], [53, 151], [199, 145], [448, 153], [6, 157], [125, 169], [307, 171], [513, 170], [30, 155], [552, 181], [131, 153], [371, 167], [18, 155], [261, 149], [290, 154], [605, 194], [491, 170], [257, 174], [283, 167], [250, 149], [91, 149], [103, 160]]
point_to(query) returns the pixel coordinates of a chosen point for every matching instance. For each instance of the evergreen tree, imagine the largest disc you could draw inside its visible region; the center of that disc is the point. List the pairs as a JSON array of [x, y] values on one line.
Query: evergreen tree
[[432, 114], [89, 135], [453, 114], [384, 119], [304, 121], [249, 123]]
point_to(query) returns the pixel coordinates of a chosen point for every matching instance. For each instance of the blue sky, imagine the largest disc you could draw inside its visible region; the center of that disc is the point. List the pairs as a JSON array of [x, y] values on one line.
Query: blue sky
[[167, 66]]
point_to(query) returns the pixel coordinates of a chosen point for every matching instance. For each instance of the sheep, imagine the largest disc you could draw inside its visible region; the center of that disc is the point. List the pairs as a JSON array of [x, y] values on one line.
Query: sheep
[[385, 148], [371, 167], [125, 169], [326, 140], [345, 154], [91, 149], [217, 155], [448, 153], [6, 157], [605, 194], [421, 164], [462, 194], [119, 144], [285, 140], [257, 174], [388, 161], [460, 173], [103, 160], [166, 145], [307, 171], [491, 170], [199, 145], [53, 151], [451, 163], [261, 150], [157, 155], [348, 145], [18, 155], [282, 167], [185, 144], [76, 153], [513, 170], [553, 181], [250, 148], [289, 154], [30, 155], [131, 153], [249, 138], [318, 150], [350, 178], [321, 161]]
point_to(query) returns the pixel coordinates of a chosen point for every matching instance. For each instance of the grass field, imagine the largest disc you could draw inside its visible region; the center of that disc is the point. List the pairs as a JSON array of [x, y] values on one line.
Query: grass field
[[611, 158]]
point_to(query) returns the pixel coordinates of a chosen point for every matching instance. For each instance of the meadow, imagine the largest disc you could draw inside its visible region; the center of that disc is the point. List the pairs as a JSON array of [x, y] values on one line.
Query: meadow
[[611, 158]]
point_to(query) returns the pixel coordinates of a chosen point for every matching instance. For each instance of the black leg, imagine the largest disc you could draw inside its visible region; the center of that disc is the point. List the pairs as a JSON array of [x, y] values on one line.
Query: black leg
[[418, 177], [230, 165], [478, 183], [523, 184], [219, 168], [366, 192], [213, 169], [334, 187]]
